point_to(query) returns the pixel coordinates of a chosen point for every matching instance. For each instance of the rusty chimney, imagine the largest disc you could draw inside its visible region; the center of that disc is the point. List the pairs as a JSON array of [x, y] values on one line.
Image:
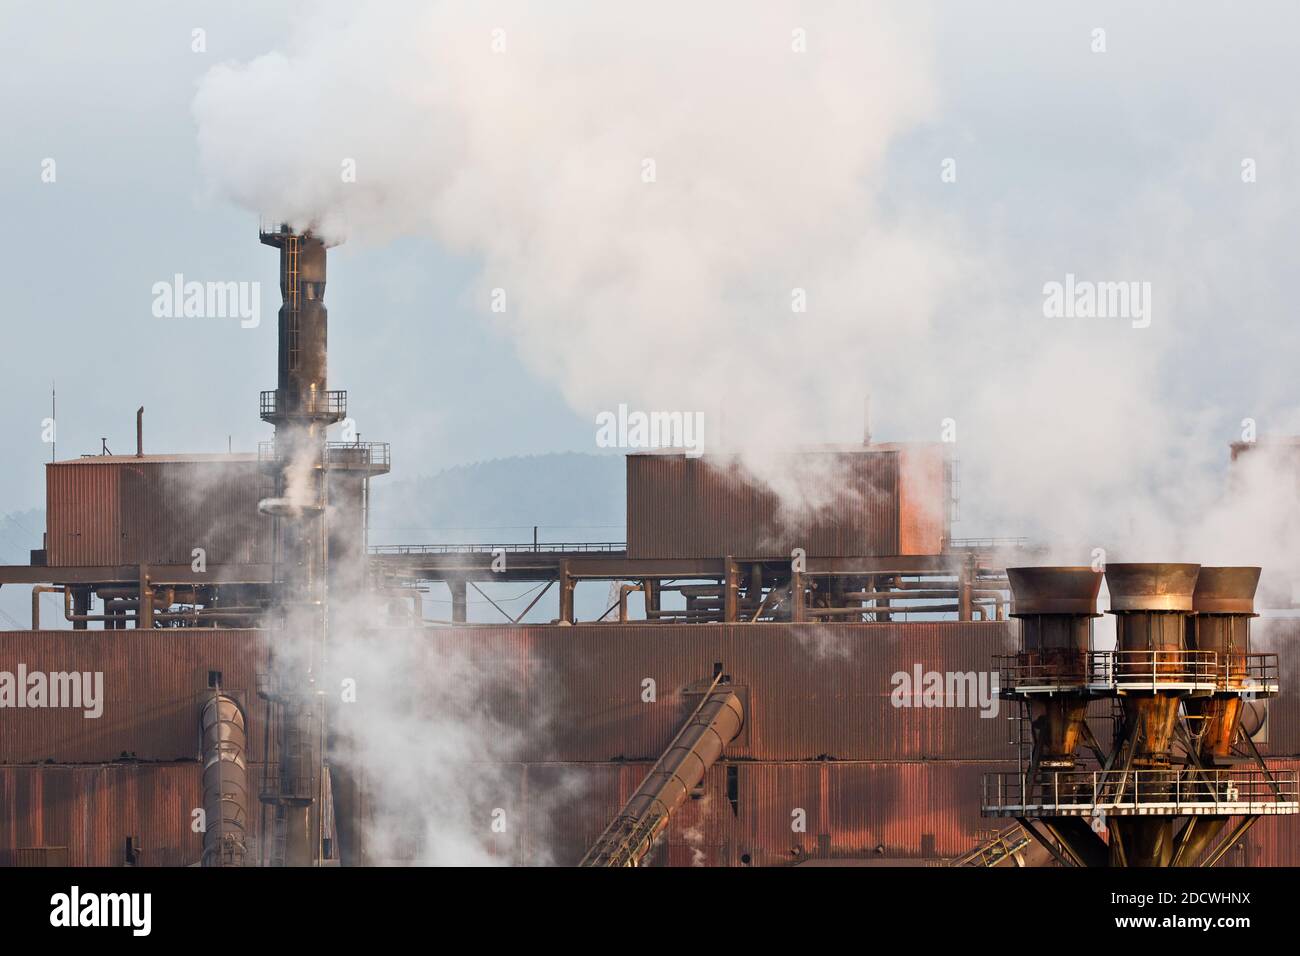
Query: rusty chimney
[[1224, 602], [1055, 606], [1151, 604]]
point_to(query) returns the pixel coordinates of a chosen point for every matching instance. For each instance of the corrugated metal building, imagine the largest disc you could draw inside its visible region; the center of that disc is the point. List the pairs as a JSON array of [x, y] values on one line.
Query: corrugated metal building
[[870, 501], [111, 510], [823, 738]]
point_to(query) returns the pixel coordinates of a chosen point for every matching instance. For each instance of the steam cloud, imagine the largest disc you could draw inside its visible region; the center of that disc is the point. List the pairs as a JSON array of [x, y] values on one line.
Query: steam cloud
[[772, 173]]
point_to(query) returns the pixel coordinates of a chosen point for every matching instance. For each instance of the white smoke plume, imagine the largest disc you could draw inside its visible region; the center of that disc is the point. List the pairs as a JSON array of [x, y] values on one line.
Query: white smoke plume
[[766, 168], [523, 136]]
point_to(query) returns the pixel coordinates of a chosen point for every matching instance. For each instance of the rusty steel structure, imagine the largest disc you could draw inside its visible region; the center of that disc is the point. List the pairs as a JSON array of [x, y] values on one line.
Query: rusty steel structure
[[1178, 769], [300, 408], [300, 459]]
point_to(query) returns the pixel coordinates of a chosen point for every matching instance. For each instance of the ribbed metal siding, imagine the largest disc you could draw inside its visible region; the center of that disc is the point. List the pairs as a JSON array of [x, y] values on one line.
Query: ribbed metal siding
[[154, 683], [885, 810], [907, 810], [1272, 841], [92, 811], [681, 507], [809, 690], [170, 508], [155, 512], [82, 515], [1281, 636], [924, 512]]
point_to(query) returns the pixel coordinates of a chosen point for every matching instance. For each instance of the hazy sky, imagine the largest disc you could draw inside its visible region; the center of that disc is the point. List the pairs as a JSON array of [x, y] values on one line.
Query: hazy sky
[[1116, 165]]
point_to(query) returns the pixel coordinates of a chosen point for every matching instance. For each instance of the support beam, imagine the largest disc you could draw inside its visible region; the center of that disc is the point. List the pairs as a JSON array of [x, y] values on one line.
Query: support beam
[[458, 603], [144, 615], [1226, 844], [567, 584]]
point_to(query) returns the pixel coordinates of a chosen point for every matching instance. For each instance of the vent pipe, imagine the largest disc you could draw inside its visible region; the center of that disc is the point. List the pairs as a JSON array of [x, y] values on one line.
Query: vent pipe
[[1224, 602], [139, 432], [1055, 606], [225, 781]]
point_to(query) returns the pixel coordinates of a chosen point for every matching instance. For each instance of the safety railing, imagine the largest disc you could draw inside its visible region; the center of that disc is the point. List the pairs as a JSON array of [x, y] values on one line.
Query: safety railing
[[1156, 670], [355, 454], [1172, 791], [1032, 670], [1051, 671], [552, 547], [1250, 675], [980, 544], [326, 404], [337, 454]]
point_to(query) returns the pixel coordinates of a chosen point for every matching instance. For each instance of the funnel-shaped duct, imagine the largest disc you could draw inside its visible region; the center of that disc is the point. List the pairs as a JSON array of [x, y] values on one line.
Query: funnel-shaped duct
[[1054, 590], [1226, 591], [1151, 587]]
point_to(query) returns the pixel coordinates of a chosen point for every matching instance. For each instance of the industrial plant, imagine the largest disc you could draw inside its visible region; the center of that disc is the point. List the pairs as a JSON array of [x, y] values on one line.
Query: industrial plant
[[844, 685]]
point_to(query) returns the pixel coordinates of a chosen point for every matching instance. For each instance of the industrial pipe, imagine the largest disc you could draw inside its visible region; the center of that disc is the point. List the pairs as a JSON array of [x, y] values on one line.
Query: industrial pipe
[[712, 725], [37, 591], [225, 781], [80, 618]]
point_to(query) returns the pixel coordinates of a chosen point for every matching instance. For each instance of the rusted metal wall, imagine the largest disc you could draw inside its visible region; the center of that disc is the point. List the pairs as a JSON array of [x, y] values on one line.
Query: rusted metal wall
[[809, 690], [92, 810], [850, 810], [892, 782], [1281, 636], [117, 510], [1272, 841], [579, 693], [82, 514], [870, 502], [83, 815], [746, 813], [153, 686], [924, 493]]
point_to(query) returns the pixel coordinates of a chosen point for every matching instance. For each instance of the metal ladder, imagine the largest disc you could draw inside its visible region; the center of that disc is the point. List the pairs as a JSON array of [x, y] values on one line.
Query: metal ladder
[[998, 847], [291, 275]]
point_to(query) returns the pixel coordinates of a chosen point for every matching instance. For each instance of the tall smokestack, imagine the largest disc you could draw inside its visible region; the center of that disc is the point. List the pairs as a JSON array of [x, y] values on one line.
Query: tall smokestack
[[300, 408]]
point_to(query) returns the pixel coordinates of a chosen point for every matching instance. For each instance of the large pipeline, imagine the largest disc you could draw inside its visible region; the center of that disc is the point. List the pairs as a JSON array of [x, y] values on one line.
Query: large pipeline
[[714, 724], [225, 782]]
